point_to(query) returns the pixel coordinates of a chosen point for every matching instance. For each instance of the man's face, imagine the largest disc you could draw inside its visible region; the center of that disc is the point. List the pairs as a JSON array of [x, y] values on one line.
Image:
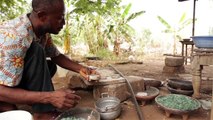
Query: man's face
[[55, 20]]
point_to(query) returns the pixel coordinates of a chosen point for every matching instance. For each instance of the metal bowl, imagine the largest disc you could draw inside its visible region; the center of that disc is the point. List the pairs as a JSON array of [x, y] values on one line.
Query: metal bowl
[[107, 104], [182, 107], [110, 115], [203, 41], [80, 113], [108, 107]]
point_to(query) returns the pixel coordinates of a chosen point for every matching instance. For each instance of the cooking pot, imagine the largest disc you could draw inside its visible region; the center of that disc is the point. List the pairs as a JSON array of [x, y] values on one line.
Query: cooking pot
[[109, 107], [180, 84]]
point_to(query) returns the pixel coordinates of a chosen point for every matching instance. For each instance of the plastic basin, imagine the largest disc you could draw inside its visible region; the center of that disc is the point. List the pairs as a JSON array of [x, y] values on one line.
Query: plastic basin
[[203, 41], [16, 115]]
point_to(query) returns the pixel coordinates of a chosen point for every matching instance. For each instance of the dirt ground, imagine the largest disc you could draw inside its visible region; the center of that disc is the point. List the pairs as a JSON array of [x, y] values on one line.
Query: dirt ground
[[150, 69]]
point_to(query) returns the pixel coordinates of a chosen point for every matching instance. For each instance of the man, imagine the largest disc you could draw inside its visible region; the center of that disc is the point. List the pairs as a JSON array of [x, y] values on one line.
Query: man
[[25, 74]]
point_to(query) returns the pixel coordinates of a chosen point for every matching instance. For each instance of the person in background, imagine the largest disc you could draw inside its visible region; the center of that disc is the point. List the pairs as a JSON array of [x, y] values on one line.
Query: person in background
[[25, 72]]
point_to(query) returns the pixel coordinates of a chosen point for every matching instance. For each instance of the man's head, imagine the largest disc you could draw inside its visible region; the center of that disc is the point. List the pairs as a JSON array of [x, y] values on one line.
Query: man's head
[[49, 15]]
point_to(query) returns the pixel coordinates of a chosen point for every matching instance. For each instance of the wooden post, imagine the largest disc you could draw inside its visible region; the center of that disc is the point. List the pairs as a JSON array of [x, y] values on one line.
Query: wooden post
[[212, 108]]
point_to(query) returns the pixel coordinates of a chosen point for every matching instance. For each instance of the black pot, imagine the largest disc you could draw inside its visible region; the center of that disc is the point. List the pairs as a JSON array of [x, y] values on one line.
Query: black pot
[[179, 91], [180, 84]]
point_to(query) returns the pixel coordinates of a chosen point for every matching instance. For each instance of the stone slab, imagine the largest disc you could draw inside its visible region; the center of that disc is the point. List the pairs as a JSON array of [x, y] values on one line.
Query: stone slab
[[178, 69], [120, 90], [173, 61], [152, 82], [76, 81]]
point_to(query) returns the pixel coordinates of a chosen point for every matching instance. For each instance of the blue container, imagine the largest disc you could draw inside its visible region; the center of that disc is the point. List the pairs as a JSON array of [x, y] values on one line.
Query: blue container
[[203, 41]]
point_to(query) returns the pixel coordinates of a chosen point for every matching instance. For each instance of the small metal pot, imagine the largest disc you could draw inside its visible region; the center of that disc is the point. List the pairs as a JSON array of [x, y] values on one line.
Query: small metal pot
[[110, 115], [108, 107]]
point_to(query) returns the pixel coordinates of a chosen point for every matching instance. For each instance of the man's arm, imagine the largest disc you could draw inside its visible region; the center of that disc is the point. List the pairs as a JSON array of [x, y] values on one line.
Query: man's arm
[[62, 99], [64, 62], [67, 63], [16, 95]]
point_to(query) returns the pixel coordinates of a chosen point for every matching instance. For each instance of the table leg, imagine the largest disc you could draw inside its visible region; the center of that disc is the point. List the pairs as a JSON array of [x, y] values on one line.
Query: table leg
[[186, 56], [196, 76], [182, 52], [192, 48], [196, 81], [212, 108]]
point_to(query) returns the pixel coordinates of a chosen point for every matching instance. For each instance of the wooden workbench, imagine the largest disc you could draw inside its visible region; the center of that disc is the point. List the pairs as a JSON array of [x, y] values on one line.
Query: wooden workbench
[[201, 57]]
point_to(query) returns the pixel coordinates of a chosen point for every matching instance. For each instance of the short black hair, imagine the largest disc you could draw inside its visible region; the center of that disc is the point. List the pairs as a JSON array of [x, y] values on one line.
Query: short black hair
[[46, 5]]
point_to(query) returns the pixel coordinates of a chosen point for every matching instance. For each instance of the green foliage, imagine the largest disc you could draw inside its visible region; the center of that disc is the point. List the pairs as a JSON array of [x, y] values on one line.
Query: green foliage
[[97, 23], [145, 39], [126, 11], [175, 31], [89, 20], [89, 6], [134, 15], [10, 9], [106, 54], [183, 23], [58, 39], [166, 24], [119, 29]]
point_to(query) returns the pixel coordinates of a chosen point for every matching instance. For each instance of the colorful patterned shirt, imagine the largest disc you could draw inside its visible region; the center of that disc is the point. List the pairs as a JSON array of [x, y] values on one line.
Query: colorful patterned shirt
[[16, 37]]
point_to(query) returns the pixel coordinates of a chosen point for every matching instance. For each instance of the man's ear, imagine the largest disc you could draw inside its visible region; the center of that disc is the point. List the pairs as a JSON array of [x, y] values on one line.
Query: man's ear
[[42, 15]]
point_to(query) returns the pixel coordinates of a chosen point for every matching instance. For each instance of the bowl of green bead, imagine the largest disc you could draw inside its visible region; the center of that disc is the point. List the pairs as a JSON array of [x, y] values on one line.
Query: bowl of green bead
[[177, 104]]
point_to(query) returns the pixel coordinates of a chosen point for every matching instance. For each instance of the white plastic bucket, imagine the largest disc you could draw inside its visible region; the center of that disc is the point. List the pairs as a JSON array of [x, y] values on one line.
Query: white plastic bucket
[[16, 115]]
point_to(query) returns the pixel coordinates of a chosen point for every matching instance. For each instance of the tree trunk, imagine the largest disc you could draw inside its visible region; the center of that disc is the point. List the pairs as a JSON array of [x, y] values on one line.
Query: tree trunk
[[67, 44]]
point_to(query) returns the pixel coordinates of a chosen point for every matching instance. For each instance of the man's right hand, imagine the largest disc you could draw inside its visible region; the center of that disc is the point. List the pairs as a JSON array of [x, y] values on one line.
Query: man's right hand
[[64, 99]]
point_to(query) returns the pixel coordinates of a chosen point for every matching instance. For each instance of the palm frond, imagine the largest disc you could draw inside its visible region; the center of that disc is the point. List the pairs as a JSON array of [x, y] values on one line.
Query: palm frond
[[126, 11], [184, 24], [134, 15], [182, 19], [166, 24]]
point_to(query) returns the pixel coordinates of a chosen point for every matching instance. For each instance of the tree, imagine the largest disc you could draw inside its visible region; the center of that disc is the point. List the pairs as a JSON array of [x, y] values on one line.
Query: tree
[[92, 17], [67, 33], [10, 9], [96, 22], [120, 29], [175, 31]]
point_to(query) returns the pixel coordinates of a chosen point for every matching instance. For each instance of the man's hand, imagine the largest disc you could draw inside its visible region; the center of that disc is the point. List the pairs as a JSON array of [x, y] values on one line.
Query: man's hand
[[64, 99], [87, 71]]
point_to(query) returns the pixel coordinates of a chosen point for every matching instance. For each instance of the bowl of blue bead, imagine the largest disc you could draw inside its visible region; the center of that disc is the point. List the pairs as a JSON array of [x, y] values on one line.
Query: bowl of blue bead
[[203, 41]]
